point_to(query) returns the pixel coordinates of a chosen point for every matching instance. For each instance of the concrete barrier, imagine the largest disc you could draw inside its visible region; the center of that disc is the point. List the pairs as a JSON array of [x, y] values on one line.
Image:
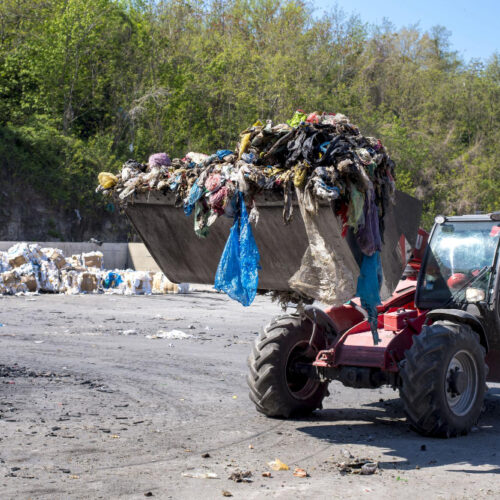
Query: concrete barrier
[[116, 255]]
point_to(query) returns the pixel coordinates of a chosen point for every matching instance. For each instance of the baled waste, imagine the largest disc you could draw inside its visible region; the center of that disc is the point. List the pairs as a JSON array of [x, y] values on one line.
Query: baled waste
[[28, 268], [314, 159]]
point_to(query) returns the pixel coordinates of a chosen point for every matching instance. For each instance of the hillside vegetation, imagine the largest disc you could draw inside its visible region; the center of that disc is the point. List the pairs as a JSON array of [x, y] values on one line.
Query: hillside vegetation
[[85, 85]]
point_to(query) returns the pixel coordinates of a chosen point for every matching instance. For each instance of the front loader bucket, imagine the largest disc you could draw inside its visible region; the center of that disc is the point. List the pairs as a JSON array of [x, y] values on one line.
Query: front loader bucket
[[170, 238]]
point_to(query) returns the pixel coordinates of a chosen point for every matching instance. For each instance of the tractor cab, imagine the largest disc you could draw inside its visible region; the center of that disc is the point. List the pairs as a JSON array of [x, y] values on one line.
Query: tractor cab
[[459, 267]]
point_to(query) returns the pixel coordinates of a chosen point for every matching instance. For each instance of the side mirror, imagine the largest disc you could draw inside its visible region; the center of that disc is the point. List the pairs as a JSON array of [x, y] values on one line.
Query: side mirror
[[473, 295]]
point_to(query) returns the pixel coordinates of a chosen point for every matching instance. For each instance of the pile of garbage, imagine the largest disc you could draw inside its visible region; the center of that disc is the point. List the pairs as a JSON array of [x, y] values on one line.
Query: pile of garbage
[[316, 158], [324, 155], [28, 268]]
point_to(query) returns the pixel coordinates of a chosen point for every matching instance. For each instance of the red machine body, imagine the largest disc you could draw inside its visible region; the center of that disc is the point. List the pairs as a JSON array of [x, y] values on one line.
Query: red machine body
[[398, 321]]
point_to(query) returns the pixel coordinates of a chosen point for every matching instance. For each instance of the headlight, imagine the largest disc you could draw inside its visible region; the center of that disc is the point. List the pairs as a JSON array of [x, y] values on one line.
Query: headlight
[[474, 295]]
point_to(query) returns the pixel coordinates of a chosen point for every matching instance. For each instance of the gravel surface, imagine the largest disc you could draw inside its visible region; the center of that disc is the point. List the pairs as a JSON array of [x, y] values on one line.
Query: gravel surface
[[92, 408]]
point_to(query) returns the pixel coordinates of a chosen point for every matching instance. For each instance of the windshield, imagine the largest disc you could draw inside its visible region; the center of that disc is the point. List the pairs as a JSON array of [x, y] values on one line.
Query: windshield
[[460, 254]]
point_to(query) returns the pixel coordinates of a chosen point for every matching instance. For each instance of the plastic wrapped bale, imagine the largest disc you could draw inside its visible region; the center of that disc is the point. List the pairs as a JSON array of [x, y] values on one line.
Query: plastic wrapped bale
[[69, 282], [88, 282], [18, 255], [4, 262], [161, 284], [137, 283], [56, 256], [50, 279], [92, 260], [29, 274], [9, 279], [113, 281], [36, 254], [12, 283], [75, 260]]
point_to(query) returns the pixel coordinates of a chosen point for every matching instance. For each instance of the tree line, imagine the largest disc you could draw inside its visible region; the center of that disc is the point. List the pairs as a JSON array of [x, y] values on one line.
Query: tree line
[[86, 85]]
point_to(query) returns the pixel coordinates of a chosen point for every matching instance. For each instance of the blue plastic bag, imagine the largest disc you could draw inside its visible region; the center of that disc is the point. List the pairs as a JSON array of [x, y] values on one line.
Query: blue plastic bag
[[238, 270], [368, 289], [223, 152], [112, 280], [195, 193]]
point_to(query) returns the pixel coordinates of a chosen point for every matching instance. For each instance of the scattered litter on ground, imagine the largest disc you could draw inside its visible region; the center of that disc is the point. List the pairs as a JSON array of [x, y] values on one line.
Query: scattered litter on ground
[[277, 464], [201, 475], [241, 477], [226, 493], [129, 332], [171, 335], [298, 472], [266, 474], [205, 455], [364, 466]]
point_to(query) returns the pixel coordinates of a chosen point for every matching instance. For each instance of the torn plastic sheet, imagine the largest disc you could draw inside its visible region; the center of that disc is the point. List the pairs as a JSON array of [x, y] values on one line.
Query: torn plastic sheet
[[328, 270]]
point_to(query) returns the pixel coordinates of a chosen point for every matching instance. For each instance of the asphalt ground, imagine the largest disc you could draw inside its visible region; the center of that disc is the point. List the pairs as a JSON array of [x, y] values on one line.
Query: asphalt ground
[[92, 408]]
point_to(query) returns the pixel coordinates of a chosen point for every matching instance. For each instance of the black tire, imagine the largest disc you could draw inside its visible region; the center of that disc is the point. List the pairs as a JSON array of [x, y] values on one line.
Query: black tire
[[444, 380], [275, 390]]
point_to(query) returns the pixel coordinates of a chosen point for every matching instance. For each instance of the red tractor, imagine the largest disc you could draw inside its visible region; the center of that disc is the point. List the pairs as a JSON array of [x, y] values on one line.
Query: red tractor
[[439, 332]]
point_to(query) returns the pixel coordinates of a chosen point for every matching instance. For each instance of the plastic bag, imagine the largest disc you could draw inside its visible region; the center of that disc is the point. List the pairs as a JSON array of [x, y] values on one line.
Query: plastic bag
[[369, 283], [112, 280], [237, 273], [368, 289], [328, 269], [195, 193], [107, 180], [298, 117]]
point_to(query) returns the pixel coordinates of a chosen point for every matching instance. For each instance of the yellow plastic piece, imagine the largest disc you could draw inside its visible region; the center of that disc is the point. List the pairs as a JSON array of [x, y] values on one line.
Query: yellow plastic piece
[[245, 141], [277, 464], [299, 178], [107, 180]]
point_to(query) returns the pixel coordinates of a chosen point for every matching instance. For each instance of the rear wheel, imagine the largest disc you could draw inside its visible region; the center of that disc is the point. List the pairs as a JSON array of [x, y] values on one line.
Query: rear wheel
[[444, 380], [278, 387]]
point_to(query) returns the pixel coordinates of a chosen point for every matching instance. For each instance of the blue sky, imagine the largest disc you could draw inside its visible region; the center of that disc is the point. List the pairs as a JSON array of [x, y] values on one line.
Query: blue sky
[[475, 25]]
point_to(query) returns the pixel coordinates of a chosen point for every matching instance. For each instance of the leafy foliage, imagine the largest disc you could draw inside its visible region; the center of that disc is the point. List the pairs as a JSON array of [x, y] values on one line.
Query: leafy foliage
[[84, 85]]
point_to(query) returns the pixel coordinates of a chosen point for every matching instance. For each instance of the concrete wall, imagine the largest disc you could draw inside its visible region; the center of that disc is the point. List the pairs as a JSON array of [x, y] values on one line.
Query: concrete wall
[[116, 255]]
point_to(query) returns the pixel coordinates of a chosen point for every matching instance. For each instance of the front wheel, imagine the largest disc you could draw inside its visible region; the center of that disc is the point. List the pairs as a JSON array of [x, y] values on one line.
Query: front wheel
[[277, 385], [444, 380]]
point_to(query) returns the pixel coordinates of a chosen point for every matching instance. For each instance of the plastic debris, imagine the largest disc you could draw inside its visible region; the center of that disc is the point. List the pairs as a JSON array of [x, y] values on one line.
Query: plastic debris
[[241, 477], [201, 475], [237, 274], [277, 464], [107, 180], [266, 474], [364, 466], [369, 468], [170, 335], [298, 472]]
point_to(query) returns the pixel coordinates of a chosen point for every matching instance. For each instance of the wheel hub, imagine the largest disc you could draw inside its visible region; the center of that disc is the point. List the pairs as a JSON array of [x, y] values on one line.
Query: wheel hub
[[457, 381], [461, 383], [298, 376]]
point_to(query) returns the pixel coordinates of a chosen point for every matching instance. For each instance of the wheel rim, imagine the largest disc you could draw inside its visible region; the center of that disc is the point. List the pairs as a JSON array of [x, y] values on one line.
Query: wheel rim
[[299, 385], [461, 383]]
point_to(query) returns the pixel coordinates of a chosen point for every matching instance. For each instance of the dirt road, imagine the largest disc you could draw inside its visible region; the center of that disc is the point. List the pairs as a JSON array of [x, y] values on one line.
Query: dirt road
[[92, 408]]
